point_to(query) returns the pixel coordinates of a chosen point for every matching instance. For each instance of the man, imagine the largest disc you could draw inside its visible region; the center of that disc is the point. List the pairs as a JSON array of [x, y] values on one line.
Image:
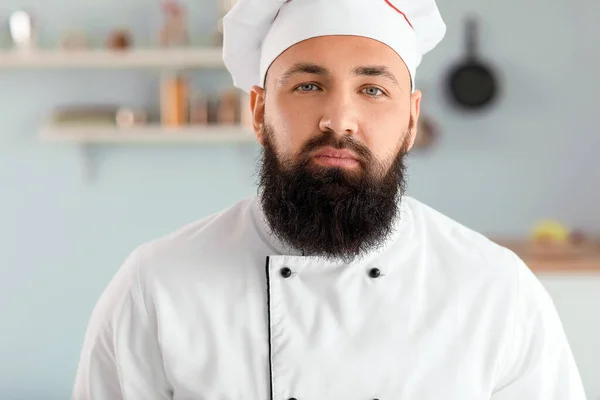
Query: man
[[330, 284]]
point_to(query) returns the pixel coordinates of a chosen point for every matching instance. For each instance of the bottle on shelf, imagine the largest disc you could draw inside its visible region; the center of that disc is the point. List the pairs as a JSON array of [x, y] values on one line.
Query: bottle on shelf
[[174, 31], [23, 31], [199, 109], [174, 100]]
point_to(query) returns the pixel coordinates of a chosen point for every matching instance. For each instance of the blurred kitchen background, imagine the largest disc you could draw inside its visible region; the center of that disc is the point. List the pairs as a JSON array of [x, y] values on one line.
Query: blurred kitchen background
[[117, 126]]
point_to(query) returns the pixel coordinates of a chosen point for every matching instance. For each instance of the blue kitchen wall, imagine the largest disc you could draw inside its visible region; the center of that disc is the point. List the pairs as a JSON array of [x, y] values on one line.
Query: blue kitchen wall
[[62, 239]]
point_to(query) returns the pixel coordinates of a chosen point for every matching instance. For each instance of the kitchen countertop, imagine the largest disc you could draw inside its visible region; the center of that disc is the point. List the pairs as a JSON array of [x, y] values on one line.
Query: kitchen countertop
[[560, 259]]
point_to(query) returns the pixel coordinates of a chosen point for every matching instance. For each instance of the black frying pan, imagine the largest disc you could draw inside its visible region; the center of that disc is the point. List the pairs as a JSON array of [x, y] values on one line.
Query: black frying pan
[[472, 84]]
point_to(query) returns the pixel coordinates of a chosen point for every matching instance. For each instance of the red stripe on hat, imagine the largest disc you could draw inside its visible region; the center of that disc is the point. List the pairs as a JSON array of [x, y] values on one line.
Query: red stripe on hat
[[395, 8]]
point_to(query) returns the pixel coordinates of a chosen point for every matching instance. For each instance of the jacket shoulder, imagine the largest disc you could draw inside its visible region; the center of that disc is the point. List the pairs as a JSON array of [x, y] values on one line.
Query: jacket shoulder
[[445, 235], [199, 241]]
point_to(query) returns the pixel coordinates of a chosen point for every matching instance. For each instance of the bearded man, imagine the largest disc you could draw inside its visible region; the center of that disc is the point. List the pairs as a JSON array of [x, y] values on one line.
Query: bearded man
[[331, 283]]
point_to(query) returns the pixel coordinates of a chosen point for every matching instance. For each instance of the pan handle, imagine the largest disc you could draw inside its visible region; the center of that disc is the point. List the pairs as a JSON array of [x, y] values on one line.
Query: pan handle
[[472, 35]]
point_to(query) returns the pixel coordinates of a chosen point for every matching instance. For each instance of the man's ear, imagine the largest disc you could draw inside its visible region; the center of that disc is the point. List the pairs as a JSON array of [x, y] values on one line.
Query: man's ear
[[415, 109], [257, 105]]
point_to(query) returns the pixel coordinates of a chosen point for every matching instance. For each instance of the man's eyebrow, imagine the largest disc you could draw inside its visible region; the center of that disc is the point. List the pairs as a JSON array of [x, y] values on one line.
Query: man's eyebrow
[[376, 70], [303, 68]]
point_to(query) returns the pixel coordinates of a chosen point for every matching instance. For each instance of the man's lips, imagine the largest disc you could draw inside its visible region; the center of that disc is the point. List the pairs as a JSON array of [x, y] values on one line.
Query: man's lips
[[336, 157]]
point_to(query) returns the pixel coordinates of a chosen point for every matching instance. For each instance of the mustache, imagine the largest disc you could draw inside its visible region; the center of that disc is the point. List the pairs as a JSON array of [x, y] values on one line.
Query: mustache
[[343, 142]]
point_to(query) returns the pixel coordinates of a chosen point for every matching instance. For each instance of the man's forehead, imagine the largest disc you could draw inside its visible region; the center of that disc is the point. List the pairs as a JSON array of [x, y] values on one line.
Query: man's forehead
[[338, 55], [333, 64]]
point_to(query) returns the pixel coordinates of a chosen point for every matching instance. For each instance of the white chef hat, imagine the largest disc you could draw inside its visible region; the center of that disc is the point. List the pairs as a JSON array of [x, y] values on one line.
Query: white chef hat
[[256, 32]]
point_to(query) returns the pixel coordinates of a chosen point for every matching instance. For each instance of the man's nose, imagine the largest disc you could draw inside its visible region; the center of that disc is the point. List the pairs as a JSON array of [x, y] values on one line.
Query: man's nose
[[339, 114]]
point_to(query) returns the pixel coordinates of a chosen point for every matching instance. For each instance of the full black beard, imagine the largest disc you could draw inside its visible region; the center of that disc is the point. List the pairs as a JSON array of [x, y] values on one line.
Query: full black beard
[[330, 212]]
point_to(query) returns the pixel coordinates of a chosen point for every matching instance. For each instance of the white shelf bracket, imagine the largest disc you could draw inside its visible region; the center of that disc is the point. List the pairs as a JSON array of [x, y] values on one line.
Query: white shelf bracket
[[87, 163]]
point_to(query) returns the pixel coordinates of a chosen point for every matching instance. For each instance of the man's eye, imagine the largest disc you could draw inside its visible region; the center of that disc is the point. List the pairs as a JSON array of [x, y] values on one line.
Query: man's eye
[[308, 87], [373, 91]]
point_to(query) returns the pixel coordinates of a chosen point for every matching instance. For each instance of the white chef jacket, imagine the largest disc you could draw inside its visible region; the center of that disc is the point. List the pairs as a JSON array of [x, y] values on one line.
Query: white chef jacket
[[219, 310]]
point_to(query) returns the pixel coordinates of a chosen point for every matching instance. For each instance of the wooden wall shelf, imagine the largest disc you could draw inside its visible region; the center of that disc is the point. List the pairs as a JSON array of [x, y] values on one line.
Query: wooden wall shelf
[[183, 58], [152, 133]]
